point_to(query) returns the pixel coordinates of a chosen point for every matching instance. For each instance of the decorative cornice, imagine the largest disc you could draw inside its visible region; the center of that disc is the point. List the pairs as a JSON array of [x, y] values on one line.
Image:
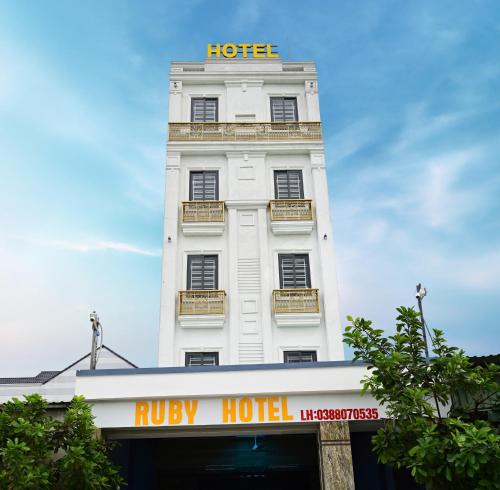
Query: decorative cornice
[[247, 204], [289, 147], [241, 154], [297, 319], [243, 82]]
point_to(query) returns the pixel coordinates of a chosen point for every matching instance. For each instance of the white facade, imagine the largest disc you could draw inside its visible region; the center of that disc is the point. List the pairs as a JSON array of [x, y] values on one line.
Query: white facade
[[247, 242]]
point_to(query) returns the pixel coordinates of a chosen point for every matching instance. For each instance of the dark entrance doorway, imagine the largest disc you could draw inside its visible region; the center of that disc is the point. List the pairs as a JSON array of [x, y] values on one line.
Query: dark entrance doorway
[[285, 461]]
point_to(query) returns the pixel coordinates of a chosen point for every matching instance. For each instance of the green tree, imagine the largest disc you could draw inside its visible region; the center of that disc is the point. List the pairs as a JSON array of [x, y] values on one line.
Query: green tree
[[39, 452], [445, 445]]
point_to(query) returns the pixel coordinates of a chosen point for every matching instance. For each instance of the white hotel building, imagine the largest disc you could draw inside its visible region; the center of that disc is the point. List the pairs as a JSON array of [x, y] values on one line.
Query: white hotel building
[[248, 266]]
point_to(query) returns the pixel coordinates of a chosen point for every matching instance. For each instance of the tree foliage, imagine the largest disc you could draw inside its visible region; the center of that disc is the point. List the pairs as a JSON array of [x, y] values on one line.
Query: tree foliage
[[437, 408], [40, 452]]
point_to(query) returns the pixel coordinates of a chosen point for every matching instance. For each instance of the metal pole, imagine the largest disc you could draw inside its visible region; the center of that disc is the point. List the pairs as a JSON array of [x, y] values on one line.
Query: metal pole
[[421, 292], [94, 319]]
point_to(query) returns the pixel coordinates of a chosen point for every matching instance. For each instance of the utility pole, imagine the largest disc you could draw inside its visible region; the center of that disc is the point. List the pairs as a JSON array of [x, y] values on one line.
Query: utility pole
[[421, 293], [96, 345]]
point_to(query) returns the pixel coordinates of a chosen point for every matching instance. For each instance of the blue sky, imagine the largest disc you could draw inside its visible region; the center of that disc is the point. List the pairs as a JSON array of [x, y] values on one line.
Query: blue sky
[[411, 110]]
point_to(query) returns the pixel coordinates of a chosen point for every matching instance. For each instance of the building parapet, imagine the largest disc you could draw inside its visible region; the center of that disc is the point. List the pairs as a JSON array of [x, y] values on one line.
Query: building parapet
[[259, 131]]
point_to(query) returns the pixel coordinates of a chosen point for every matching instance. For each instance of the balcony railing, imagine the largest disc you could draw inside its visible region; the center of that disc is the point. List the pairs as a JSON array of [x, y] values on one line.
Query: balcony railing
[[296, 301], [201, 302], [291, 210], [244, 131], [202, 211]]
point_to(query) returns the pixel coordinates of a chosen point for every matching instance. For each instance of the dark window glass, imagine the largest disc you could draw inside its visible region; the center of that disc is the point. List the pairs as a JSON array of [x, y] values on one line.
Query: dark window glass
[[300, 356], [202, 358], [294, 271], [284, 109], [204, 109], [202, 272], [204, 185], [288, 184]]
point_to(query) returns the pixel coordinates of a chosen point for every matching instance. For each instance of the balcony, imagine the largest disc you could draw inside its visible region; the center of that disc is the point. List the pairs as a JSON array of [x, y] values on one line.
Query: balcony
[[202, 218], [202, 308], [296, 307], [268, 131], [291, 216]]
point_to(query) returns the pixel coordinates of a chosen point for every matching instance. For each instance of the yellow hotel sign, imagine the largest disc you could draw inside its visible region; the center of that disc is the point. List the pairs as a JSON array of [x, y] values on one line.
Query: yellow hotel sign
[[256, 50], [249, 410], [243, 410], [234, 410]]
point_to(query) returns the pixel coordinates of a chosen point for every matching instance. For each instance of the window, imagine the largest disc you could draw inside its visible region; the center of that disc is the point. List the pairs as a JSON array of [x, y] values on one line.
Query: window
[[204, 109], [204, 186], [202, 272], [202, 358], [294, 271], [300, 356], [284, 109], [288, 184]]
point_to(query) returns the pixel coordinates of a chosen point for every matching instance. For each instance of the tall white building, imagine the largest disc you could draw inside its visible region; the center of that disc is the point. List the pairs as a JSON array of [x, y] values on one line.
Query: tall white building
[[248, 261], [249, 283]]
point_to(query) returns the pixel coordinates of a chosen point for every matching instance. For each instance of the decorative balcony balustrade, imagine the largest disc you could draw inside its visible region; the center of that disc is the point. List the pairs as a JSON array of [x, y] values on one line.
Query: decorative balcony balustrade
[[263, 131], [291, 210], [202, 302], [203, 211], [296, 301]]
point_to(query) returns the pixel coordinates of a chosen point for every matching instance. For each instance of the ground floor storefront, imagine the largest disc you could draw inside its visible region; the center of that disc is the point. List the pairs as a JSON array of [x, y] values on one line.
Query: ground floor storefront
[[259, 459], [241, 427]]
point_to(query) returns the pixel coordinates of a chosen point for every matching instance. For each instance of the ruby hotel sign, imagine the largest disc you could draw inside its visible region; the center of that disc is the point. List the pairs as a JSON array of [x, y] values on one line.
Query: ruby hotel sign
[[255, 50], [262, 409]]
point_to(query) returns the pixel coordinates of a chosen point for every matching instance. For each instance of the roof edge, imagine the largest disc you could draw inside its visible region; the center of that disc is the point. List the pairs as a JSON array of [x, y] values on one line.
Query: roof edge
[[223, 368]]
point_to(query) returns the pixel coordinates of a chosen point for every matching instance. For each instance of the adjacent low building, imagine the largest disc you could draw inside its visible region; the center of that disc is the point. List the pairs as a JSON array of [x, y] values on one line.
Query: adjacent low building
[[58, 387]]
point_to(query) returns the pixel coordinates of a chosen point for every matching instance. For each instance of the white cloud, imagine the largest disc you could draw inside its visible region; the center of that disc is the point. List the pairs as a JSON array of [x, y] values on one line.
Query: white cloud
[[444, 202], [352, 138], [421, 126], [105, 246], [247, 14]]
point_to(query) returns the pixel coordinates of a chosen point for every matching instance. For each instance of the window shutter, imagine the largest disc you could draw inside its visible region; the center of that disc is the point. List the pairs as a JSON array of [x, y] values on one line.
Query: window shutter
[[204, 109], [204, 186], [300, 356], [294, 271], [288, 184], [284, 109], [202, 272], [202, 358]]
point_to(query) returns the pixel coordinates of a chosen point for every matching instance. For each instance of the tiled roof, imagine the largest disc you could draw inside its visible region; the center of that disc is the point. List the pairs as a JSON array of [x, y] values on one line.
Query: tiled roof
[[491, 359], [40, 378], [45, 376]]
